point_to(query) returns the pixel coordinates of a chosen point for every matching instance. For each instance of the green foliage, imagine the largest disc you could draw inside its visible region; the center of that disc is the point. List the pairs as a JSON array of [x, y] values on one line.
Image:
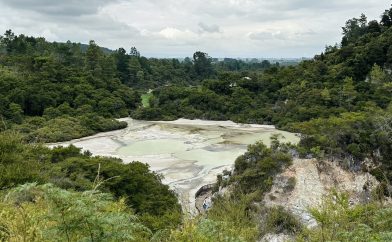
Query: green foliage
[[277, 220], [351, 138], [146, 99], [340, 102], [142, 189], [46, 213], [17, 165], [255, 170], [235, 214], [347, 78], [56, 129], [230, 219], [377, 75], [68, 168], [338, 221], [69, 88], [335, 136], [16, 112], [203, 230], [74, 85], [202, 65]]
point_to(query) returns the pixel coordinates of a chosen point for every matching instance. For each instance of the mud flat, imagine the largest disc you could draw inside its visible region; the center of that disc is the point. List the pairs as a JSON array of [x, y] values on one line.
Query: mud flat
[[189, 153]]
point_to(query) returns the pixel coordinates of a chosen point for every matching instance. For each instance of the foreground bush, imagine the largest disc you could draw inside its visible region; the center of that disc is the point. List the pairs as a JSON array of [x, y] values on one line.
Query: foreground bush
[[69, 168], [46, 213], [338, 221]]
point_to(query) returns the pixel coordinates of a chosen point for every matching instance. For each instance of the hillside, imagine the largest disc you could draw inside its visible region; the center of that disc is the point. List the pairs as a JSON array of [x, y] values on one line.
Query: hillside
[[339, 102]]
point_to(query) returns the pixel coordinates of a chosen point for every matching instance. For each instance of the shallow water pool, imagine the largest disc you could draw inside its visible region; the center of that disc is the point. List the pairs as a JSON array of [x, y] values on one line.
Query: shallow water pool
[[189, 153]]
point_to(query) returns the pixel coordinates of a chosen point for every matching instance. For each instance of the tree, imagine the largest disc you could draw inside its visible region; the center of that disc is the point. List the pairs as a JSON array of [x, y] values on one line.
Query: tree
[[354, 28], [122, 65], [265, 64], [362, 21], [93, 56], [348, 92], [7, 40], [326, 95], [16, 113], [377, 75], [389, 55], [373, 27], [202, 65], [385, 19], [134, 52], [133, 68]]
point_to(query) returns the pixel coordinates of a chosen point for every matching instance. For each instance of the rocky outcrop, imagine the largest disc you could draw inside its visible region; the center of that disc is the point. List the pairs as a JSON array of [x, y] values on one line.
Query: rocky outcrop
[[202, 196], [306, 182]]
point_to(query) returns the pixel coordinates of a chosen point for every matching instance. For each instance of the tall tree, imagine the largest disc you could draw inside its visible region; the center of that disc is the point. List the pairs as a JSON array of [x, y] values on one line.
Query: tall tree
[[122, 60], [93, 56], [202, 65], [386, 19], [134, 52]]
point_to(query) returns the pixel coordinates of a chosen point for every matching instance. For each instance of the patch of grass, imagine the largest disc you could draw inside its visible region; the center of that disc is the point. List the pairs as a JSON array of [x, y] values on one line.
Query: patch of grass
[[146, 99], [278, 220]]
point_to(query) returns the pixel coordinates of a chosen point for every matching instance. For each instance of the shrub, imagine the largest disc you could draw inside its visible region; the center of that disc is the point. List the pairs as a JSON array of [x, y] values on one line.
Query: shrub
[[278, 221], [47, 213], [338, 221], [290, 185]]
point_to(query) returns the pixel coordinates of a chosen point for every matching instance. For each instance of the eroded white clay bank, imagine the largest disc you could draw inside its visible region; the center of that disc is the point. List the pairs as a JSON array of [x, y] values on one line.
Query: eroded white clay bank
[[189, 153]]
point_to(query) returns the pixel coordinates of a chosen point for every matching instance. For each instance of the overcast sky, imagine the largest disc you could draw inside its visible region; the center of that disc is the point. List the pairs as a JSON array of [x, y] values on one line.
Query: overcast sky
[[177, 28]]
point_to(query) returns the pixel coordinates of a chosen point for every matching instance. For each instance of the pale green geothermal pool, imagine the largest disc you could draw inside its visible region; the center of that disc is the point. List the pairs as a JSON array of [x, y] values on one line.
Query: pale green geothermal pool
[[189, 153]]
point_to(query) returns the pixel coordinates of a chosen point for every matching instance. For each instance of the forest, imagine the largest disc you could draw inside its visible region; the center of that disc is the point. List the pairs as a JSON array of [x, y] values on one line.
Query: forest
[[339, 102]]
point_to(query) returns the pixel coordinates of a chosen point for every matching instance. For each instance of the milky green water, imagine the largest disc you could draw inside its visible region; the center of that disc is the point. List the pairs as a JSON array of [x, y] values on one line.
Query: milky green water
[[210, 158], [153, 147], [189, 154], [208, 145]]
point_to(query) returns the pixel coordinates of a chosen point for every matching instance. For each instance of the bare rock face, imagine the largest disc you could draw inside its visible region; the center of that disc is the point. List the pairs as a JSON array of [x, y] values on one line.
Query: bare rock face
[[306, 182]]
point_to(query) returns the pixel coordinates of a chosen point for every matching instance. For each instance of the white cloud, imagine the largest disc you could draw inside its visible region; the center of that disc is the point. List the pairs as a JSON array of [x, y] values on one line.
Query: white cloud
[[267, 35], [232, 28], [176, 34]]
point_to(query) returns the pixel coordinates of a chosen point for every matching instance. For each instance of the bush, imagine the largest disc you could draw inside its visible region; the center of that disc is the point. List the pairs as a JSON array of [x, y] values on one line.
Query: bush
[[68, 168], [278, 221], [338, 221], [230, 219], [46, 213], [16, 165], [65, 128], [254, 171]]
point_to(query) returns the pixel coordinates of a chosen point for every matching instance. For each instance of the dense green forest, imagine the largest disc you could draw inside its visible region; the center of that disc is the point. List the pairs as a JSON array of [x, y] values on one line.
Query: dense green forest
[[60, 91], [339, 101]]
